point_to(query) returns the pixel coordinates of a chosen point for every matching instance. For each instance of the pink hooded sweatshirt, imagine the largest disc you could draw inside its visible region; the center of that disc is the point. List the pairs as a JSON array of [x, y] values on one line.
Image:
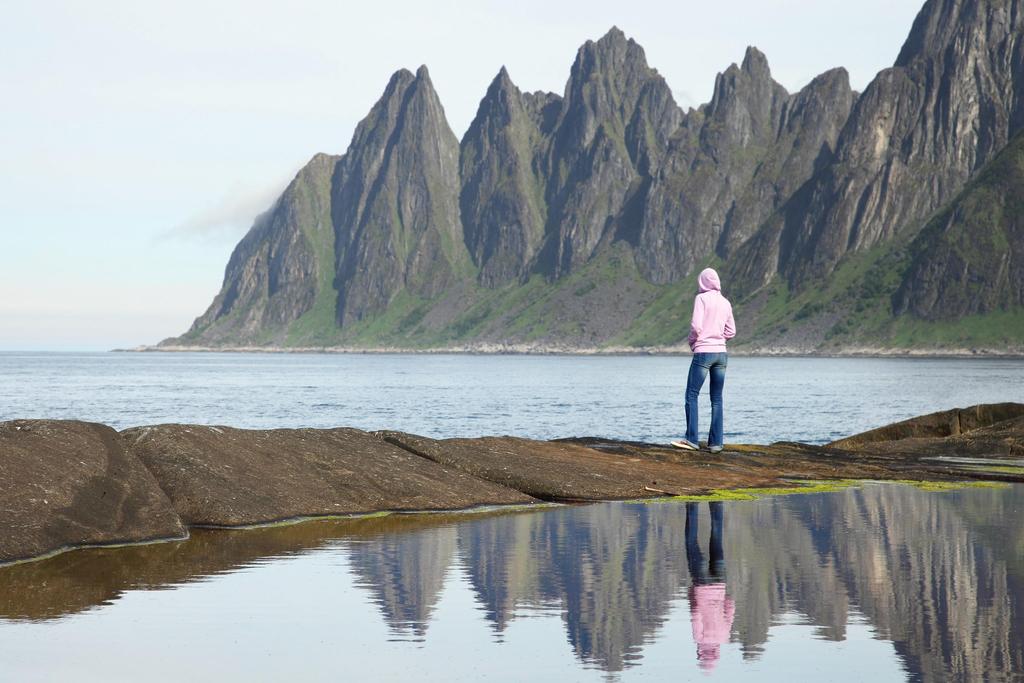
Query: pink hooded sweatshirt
[[712, 322], [711, 615]]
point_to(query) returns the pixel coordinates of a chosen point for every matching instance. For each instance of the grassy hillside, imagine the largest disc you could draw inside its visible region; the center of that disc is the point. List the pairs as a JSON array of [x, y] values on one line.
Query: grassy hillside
[[854, 310], [608, 304]]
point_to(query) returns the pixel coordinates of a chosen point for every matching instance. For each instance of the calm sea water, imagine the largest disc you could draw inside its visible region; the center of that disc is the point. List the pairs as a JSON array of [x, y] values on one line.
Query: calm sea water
[[629, 397], [879, 583]]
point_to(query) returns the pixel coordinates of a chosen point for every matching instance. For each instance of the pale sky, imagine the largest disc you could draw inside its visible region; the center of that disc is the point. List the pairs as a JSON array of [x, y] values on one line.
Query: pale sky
[[138, 140]]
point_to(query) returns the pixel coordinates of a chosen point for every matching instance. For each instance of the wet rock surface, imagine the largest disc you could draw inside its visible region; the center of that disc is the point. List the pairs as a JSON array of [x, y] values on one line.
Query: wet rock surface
[[986, 440], [65, 484], [945, 423], [983, 442], [573, 471], [71, 484], [230, 477]]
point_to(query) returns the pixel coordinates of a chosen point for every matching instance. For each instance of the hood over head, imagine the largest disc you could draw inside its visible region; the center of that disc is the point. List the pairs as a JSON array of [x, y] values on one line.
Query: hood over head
[[707, 656], [708, 280]]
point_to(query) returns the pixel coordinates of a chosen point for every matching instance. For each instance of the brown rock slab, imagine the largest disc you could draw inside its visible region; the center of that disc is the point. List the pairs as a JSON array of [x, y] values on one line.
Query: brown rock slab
[[953, 445], [754, 465], [1002, 440], [66, 484], [984, 442], [567, 471], [221, 476], [935, 425]]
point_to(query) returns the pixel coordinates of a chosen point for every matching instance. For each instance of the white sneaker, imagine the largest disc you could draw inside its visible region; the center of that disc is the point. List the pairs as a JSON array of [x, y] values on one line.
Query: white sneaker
[[685, 445]]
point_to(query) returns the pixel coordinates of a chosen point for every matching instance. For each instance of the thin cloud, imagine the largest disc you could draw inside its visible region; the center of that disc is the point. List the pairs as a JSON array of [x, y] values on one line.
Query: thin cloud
[[229, 218]]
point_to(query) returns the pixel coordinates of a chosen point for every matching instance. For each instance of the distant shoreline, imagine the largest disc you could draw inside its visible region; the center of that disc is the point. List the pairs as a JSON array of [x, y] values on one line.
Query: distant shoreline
[[553, 350]]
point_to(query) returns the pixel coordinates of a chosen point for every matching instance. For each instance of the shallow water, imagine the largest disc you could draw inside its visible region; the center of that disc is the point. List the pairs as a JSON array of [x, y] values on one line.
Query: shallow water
[[882, 582], [627, 397], [879, 583]]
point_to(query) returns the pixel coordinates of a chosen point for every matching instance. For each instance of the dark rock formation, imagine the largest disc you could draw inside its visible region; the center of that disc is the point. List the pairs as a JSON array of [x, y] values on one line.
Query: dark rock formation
[[615, 121], [969, 259], [940, 425], [734, 162], [230, 477], [975, 439], [503, 205], [920, 130], [70, 484], [396, 202], [281, 267], [403, 241], [560, 471]]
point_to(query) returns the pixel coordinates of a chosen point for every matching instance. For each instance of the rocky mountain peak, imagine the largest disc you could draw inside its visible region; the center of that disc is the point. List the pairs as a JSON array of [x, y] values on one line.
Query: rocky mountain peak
[[501, 87], [735, 163], [398, 82], [502, 183], [396, 200], [382, 115], [755, 63], [614, 38], [747, 101], [423, 87], [616, 109], [939, 20], [613, 67], [774, 186], [920, 130], [502, 102]]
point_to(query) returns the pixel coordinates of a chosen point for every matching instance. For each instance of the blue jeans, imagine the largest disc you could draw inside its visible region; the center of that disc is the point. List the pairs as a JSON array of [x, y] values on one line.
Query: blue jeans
[[701, 364], [715, 570]]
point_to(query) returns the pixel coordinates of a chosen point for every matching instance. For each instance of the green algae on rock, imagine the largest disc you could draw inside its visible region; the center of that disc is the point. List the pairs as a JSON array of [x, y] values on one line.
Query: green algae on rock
[[722, 495]]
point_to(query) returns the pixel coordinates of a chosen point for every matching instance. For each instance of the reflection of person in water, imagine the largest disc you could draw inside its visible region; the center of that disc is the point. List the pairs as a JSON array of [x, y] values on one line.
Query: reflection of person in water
[[711, 609]]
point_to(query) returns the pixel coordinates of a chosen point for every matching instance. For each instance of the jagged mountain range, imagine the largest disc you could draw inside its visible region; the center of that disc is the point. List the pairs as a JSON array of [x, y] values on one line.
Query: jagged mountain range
[[839, 220]]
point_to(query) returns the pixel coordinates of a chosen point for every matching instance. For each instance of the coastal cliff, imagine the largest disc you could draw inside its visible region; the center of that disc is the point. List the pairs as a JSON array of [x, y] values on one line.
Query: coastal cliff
[[840, 220]]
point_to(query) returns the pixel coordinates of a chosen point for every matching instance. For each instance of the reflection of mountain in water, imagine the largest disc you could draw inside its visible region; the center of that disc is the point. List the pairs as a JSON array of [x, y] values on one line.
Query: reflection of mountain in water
[[507, 559], [76, 581], [614, 569], [773, 562], [405, 573], [620, 568], [940, 575], [929, 575]]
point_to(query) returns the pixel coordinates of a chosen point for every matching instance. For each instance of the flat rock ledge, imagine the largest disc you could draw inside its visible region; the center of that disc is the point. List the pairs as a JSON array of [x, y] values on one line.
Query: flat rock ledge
[[68, 484]]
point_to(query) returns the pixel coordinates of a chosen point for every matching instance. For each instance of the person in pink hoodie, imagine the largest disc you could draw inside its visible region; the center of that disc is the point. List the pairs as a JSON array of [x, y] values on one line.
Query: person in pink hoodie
[[711, 609], [711, 326]]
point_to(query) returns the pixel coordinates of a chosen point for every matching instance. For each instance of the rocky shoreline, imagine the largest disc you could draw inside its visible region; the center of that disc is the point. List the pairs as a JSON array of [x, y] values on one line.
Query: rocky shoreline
[[485, 349], [69, 484]]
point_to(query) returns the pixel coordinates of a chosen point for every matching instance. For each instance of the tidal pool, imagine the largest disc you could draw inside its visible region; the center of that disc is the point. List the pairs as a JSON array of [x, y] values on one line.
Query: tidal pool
[[877, 582]]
